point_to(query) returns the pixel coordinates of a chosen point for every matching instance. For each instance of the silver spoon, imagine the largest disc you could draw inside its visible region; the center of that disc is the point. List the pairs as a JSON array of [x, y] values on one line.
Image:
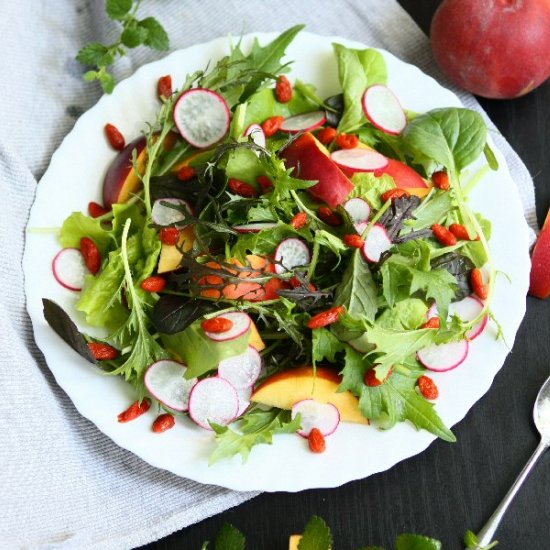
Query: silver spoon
[[541, 416]]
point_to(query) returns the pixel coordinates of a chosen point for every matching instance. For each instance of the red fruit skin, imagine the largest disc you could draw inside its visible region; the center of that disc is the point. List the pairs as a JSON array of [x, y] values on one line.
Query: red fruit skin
[[540, 263], [403, 175], [493, 48]]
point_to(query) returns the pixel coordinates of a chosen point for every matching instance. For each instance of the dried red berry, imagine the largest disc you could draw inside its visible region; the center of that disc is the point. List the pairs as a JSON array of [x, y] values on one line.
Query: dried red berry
[[134, 410], [443, 235], [272, 125], [478, 284], [265, 183], [217, 325], [395, 193], [347, 141], [163, 422], [372, 381], [460, 232], [242, 188], [329, 216], [186, 173], [283, 89], [326, 318], [433, 322], [316, 441], [164, 86], [169, 235], [102, 352], [327, 135], [354, 241], [428, 387], [153, 284], [116, 139], [96, 210], [441, 180], [299, 220], [91, 254]]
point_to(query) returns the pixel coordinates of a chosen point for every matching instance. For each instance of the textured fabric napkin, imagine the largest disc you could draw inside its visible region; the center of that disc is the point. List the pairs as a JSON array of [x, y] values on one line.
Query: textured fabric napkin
[[65, 484]]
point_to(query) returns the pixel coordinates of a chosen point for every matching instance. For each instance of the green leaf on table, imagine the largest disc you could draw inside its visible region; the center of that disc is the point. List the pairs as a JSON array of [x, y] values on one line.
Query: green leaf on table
[[257, 427], [417, 542], [95, 54], [133, 35], [118, 9], [230, 538], [156, 37], [316, 536], [358, 292]]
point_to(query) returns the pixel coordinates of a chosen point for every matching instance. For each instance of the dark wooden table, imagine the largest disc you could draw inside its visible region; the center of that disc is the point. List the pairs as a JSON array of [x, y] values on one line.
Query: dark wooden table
[[448, 488]]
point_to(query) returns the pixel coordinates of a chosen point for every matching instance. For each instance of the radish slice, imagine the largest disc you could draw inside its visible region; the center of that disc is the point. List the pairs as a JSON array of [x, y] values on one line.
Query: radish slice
[[377, 242], [241, 325], [359, 212], [306, 122], [256, 133], [383, 109], [165, 382], [359, 160], [69, 268], [467, 309], [291, 253], [323, 416], [165, 215], [254, 227], [202, 117], [215, 400], [241, 370], [244, 395], [444, 357]]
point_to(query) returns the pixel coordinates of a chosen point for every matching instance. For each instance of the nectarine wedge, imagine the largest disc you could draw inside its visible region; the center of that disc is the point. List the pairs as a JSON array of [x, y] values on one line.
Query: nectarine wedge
[[170, 255], [284, 389], [540, 263]]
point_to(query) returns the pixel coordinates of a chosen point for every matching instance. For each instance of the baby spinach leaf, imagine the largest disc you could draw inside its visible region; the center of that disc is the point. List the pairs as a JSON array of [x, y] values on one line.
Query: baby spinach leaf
[[432, 210], [62, 324]]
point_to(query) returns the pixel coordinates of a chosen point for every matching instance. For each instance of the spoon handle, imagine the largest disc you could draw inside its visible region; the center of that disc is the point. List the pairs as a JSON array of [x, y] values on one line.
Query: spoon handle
[[486, 534]]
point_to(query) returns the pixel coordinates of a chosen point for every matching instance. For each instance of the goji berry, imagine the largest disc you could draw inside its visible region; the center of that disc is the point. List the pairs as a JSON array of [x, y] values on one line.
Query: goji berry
[[116, 139], [443, 235], [433, 322], [169, 235], [91, 254], [283, 89], [395, 193], [329, 216], [164, 86], [428, 387], [265, 183], [441, 180], [102, 352], [327, 135], [299, 220], [326, 318], [459, 231], [372, 381], [272, 125], [186, 173], [242, 188], [478, 284], [163, 422], [354, 241], [96, 210], [316, 441], [153, 284], [347, 141], [134, 410], [217, 325]]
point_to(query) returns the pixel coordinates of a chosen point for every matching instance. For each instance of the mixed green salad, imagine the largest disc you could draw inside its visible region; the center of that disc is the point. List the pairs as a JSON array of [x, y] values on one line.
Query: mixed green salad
[[272, 235]]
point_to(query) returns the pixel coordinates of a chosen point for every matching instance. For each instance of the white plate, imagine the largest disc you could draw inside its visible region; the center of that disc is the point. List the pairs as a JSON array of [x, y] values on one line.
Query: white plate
[[74, 178]]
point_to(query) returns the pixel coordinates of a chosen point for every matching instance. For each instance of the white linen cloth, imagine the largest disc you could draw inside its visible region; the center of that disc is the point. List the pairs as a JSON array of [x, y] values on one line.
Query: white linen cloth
[[65, 484]]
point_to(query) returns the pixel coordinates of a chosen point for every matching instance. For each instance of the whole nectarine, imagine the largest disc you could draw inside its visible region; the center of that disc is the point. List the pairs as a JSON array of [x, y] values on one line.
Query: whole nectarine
[[540, 268], [493, 48]]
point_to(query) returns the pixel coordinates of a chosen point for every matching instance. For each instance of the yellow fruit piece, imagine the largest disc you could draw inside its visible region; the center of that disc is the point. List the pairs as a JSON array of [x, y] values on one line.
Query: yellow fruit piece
[[293, 542], [170, 256], [255, 340]]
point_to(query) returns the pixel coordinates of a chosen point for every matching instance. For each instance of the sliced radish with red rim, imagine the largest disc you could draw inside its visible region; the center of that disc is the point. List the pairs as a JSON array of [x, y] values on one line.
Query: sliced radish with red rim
[[360, 227], [444, 357], [162, 214], [213, 400], [359, 160], [202, 117], [256, 133], [241, 370], [166, 382], [377, 242], [241, 325], [244, 395], [467, 309], [69, 268], [359, 211], [254, 227], [313, 414], [291, 253], [384, 110], [306, 122]]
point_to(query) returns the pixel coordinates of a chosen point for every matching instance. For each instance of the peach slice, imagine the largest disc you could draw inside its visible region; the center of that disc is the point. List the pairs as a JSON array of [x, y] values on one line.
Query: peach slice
[[403, 175], [311, 161], [294, 541], [540, 263], [121, 179], [286, 388], [170, 255]]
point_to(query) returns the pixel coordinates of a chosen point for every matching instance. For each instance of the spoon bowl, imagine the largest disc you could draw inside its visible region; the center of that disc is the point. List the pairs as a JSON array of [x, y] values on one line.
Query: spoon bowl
[[541, 412]]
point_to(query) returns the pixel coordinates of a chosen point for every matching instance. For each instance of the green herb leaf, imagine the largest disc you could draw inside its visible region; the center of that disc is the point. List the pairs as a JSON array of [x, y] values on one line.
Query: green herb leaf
[[355, 367], [417, 542], [471, 540], [367, 186], [230, 538], [256, 428], [316, 536], [95, 54], [490, 157], [437, 284], [133, 36], [432, 210], [118, 9], [324, 346], [78, 225], [156, 38]]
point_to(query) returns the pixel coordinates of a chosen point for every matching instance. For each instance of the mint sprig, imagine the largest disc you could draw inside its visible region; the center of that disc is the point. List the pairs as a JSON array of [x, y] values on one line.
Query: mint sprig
[[135, 32]]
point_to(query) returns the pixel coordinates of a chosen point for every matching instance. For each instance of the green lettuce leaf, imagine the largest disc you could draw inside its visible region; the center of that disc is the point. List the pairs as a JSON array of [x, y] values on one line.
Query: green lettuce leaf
[[78, 225], [371, 188], [409, 314]]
